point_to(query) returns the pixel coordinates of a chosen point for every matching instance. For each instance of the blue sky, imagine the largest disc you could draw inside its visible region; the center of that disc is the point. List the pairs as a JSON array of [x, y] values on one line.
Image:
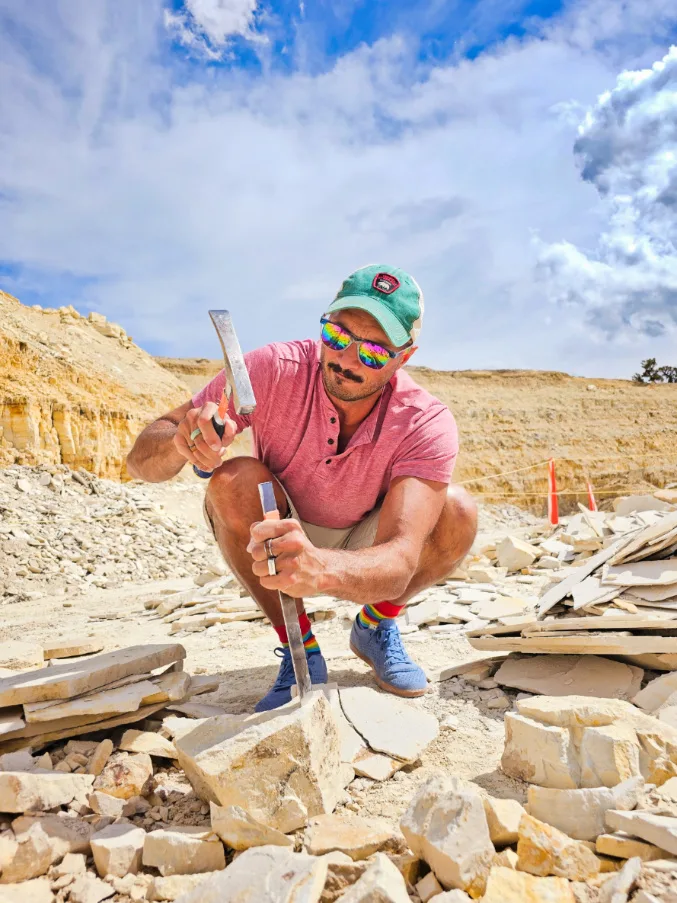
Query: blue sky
[[159, 159]]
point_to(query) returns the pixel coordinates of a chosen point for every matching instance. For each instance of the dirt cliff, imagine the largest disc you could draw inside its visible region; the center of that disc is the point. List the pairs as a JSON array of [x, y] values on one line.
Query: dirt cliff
[[620, 435], [74, 390]]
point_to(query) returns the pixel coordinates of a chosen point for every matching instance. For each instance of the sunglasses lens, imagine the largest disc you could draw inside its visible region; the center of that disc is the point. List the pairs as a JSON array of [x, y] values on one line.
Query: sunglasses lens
[[374, 356], [334, 337]]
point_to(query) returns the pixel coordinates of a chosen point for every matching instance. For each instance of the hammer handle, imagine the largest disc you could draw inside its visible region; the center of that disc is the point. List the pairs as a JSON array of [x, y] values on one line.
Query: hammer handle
[[220, 428]]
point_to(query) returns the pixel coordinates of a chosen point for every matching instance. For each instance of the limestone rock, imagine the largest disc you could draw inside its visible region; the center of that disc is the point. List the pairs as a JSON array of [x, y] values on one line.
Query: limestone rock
[[389, 724], [659, 830], [623, 846], [105, 804], [608, 755], [173, 886], [503, 819], [126, 775], [36, 792], [239, 830], [354, 835], [617, 888], [445, 824], [64, 835], [99, 757], [72, 648], [380, 883], [117, 850], [428, 887], [147, 742], [657, 692], [111, 702], [569, 675], [544, 851], [539, 753], [508, 886], [183, 851], [266, 875], [451, 896], [71, 864], [515, 554], [31, 857], [342, 873], [89, 889], [282, 766], [581, 813], [36, 891]]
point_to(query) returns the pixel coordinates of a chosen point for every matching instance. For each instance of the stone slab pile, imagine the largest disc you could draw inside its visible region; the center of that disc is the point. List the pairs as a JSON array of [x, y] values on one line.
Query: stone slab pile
[[619, 597], [90, 694]]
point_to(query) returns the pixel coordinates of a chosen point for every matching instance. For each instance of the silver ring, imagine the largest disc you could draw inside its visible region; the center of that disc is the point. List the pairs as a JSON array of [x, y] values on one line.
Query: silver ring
[[272, 570], [269, 548]]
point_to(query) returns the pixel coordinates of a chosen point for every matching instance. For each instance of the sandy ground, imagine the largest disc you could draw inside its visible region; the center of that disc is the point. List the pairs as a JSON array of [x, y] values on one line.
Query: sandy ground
[[242, 655]]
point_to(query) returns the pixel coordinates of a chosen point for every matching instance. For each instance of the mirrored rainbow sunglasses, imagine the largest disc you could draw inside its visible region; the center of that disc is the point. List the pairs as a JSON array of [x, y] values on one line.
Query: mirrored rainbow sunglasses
[[370, 354]]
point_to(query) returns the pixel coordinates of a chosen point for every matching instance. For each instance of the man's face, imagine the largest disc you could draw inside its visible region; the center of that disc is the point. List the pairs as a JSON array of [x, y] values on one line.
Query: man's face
[[344, 375]]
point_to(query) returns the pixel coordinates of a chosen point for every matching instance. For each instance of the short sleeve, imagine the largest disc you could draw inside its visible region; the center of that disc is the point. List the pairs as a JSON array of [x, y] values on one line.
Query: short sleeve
[[429, 450], [262, 366]]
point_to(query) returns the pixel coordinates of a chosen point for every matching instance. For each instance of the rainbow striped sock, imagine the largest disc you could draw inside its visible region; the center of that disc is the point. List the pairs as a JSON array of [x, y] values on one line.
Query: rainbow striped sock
[[310, 643], [372, 615]]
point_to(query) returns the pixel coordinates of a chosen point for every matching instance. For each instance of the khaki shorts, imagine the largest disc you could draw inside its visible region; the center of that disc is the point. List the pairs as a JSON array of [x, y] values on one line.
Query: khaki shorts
[[361, 536]]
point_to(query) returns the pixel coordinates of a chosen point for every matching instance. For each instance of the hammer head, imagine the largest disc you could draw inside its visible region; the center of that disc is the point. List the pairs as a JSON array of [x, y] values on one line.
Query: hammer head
[[237, 376]]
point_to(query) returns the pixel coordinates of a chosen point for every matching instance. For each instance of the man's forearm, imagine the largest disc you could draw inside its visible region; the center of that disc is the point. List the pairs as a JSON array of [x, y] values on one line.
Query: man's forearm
[[376, 574], [154, 457]]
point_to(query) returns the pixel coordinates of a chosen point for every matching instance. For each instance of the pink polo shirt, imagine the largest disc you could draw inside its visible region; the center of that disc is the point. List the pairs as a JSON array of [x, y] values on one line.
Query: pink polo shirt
[[296, 429]]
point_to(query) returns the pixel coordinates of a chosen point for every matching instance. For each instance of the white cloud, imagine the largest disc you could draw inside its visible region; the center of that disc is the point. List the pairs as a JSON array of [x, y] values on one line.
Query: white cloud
[[627, 149], [163, 199], [207, 26]]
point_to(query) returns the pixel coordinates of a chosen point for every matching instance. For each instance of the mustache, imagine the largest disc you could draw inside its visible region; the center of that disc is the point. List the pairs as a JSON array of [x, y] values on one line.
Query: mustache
[[348, 374]]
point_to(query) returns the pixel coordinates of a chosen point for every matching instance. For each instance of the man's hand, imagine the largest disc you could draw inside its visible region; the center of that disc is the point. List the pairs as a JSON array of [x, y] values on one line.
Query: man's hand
[[301, 567], [207, 450]]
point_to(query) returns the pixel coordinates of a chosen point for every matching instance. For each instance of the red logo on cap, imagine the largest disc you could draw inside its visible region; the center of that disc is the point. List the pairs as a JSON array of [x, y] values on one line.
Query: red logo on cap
[[385, 283]]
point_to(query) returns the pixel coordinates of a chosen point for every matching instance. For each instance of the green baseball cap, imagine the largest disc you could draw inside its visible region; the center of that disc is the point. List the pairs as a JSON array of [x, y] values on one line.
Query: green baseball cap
[[391, 296]]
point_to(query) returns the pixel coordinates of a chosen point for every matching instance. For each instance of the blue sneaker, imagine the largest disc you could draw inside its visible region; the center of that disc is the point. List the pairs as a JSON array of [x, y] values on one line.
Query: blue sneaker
[[382, 649], [280, 692]]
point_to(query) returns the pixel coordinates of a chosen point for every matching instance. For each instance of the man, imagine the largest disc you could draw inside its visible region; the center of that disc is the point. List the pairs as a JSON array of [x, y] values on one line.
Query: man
[[361, 460]]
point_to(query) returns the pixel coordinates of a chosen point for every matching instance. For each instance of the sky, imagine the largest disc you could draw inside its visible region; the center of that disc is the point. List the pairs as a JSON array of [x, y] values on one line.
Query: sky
[[518, 157]]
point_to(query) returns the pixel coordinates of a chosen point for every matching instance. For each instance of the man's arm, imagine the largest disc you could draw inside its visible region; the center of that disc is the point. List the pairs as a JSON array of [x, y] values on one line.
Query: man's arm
[[164, 446], [409, 513]]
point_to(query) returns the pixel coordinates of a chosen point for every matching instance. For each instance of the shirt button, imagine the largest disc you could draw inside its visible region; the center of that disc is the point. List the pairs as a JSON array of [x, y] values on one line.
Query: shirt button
[[330, 441], [332, 420]]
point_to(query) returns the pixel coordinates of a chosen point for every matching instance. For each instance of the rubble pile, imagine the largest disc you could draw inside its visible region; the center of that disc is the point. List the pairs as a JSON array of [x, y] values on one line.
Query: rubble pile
[[66, 530], [62, 700]]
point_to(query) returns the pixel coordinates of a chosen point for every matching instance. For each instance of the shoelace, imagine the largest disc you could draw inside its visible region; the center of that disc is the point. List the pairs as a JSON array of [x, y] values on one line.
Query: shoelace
[[286, 674], [391, 643]]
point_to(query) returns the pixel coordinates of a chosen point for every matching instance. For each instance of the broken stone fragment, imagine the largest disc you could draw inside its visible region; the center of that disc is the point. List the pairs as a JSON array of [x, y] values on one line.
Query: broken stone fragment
[[105, 804], [503, 819], [445, 824], [265, 875], [659, 830], [389, 724], [72, 648], [569, 675], [428, 887], [99, 757], [508, 886], [183, 851], [617, 888], [39, 791], [147, 742], [239, 830], [581, 813], [117, 850], [539, 753], [623, 846], [657, 692], [282, 766], [342, 873], [89, 889], [126, 775], [36, 891], [64, 835], [26, 857], [173, 886], [354, 835], [514, 554], [380, 883], [543, 850]]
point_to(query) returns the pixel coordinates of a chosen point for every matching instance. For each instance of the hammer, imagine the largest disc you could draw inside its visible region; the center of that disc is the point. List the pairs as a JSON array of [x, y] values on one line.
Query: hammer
[[239, 385]]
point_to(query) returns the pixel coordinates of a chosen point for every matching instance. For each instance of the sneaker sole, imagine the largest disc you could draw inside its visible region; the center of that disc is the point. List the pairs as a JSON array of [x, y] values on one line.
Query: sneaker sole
[[396, 691]]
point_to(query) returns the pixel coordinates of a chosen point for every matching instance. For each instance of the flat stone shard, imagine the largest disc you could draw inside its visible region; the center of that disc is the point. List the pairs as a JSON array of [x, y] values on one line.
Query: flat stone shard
[[657, 692], [503, 819], [240, 831], [89, 889], [581, 813], [126, 775], [109, 702], [380, 883], [543, 850], [183, 851], [659, 830], [147, 742], [117, 850], [617, 888], [72, 648], [508, 886], [515, 554], [623, 846], [99, 757], [75, 678], [36, 792], [354, 835], [173, 886], [282, 766], [569, 675], [266, 875], [445, 824]]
